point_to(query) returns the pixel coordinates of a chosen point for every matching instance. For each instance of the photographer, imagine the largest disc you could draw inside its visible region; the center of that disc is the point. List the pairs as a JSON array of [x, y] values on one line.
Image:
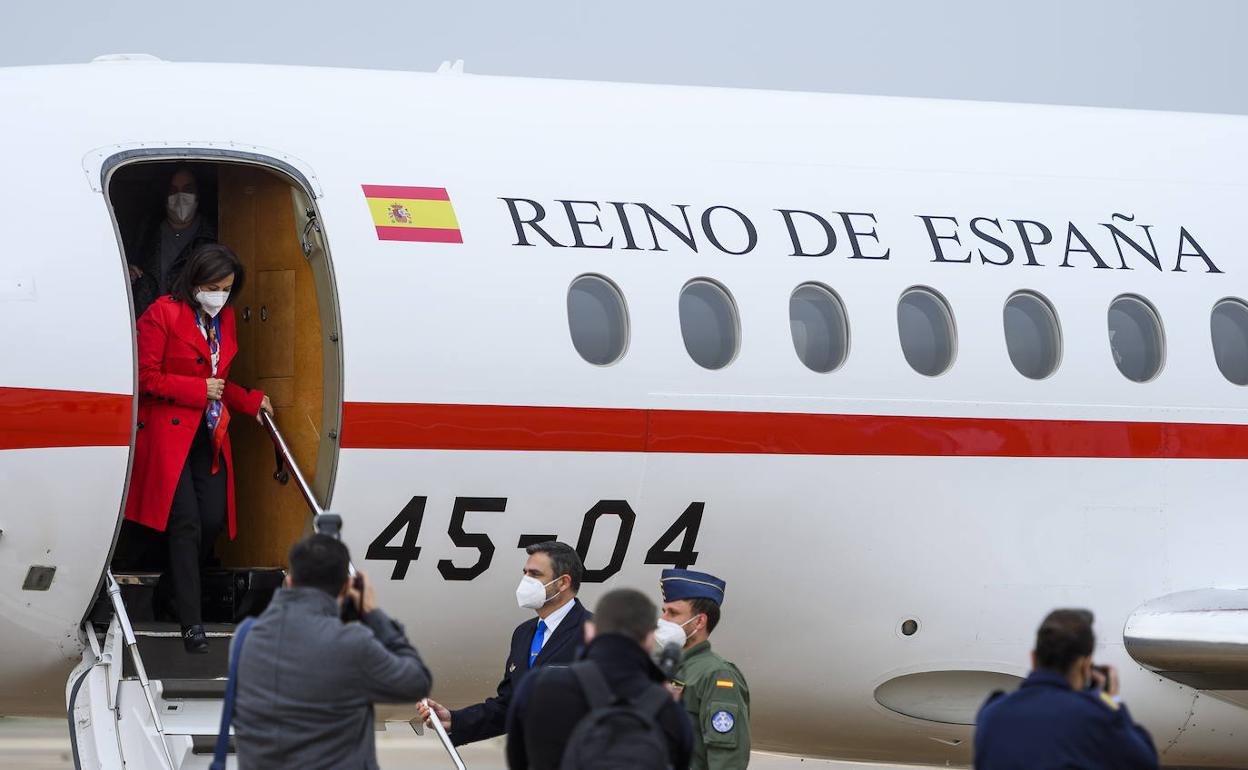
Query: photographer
[[307, 682], [1067, 713]]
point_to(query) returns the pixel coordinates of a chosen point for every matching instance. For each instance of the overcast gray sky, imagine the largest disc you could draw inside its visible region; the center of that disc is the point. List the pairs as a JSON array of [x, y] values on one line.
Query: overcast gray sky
[[1175, 55]]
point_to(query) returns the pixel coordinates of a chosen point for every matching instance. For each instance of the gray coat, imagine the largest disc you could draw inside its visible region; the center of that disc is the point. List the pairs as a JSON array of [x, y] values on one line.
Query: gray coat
[[307, 683]]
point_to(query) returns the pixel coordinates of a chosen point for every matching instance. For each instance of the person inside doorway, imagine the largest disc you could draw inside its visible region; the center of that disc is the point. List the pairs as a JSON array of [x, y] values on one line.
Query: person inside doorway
[[163, 249]]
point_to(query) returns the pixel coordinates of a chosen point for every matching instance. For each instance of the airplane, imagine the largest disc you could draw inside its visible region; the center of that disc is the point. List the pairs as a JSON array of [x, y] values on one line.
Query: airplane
[[907, 373]]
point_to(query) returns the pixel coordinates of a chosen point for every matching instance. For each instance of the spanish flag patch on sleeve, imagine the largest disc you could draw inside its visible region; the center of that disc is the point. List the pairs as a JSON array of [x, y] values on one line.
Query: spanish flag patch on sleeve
[[724, 683]]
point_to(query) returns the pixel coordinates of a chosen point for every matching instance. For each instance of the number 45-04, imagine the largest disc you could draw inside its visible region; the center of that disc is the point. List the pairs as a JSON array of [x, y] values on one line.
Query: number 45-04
[[412, 516]]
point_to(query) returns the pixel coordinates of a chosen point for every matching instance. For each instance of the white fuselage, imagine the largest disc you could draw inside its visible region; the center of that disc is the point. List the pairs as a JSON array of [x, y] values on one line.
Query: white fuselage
[[974, 527]]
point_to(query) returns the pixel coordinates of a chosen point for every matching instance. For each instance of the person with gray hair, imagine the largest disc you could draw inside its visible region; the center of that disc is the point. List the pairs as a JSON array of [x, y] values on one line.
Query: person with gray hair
[[548, 587]]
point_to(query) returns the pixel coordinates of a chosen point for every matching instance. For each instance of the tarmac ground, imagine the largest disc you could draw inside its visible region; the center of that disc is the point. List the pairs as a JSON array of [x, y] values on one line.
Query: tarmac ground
[[43, 744]]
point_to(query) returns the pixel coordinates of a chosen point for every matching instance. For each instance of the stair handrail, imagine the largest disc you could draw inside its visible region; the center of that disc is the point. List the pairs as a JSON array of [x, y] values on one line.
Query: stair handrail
[[132, 644], [442, 736], [285, 457]]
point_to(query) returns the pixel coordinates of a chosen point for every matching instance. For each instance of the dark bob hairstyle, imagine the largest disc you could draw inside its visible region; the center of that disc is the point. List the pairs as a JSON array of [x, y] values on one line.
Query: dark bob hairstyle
[[210, 262]]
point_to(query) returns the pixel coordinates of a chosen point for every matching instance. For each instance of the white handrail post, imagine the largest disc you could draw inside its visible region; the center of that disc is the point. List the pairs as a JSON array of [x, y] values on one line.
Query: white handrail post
[[442, 736], [132, 644]]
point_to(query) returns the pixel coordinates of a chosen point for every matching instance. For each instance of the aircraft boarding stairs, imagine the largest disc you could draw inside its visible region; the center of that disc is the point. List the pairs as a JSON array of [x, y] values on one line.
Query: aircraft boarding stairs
[[137, 700]]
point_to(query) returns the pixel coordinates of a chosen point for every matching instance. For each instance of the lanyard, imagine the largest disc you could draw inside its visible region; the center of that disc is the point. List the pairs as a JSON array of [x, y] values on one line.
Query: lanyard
[[214, 339]]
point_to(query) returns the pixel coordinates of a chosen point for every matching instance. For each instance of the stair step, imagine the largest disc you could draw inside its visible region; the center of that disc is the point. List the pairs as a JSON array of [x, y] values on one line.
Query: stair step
[[164, 657], [228, 594], [151, 579], [207, 744], [154, 630], [192, 689]]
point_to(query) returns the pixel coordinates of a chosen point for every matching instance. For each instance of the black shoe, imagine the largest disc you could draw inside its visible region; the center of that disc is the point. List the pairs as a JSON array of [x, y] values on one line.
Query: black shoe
[[195, 640]]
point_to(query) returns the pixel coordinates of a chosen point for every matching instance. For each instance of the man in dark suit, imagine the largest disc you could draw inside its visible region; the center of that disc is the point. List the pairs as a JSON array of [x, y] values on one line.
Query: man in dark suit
[[552, 576], [549, 705]]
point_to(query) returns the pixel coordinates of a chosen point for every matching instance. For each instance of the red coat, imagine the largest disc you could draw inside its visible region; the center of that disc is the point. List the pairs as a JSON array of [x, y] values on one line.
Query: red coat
[[174, 364]]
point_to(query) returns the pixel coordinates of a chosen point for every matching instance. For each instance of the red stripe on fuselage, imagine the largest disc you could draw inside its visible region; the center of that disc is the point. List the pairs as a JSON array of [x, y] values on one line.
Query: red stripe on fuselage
[[33, 418], [408, 193], [420, 234], [573, 429]]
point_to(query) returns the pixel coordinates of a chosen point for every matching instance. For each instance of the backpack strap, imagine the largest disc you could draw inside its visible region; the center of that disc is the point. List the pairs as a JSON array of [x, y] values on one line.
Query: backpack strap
[[653, 701], [593, 684], [227, 705]]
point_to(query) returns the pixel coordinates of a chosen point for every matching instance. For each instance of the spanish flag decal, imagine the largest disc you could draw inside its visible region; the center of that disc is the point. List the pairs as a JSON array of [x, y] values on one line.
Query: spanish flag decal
[[421, 214]]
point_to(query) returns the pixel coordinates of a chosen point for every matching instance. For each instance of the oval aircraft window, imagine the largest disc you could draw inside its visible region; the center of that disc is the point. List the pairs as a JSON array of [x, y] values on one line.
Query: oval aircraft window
[[1032, 335], [1229, 326], [820, 331], [708, 324], [1135, 338], [597, 320], [925, 325]]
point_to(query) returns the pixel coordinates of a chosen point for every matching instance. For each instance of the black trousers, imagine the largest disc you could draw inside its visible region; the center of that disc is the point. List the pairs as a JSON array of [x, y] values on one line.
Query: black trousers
[[195, 520]]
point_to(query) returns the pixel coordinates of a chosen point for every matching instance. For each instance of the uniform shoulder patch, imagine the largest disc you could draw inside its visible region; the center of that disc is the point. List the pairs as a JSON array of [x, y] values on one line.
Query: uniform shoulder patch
[[1108, 700], [725, 683], [723, 722]]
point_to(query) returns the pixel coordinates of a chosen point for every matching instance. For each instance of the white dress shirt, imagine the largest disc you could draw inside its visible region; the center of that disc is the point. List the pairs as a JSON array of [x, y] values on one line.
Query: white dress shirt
[[552, 622]]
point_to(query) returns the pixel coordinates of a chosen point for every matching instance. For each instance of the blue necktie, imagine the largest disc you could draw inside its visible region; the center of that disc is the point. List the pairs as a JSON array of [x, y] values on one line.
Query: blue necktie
[[536, 647]]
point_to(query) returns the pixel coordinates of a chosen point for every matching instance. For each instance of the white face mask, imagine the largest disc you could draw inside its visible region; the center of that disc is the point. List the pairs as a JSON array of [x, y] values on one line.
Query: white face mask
[[531, 594], [212, 301], [181, 207], [668, 632]]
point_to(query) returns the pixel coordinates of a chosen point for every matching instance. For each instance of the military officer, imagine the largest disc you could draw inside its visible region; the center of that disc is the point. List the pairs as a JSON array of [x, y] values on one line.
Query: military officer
[[712, 689]]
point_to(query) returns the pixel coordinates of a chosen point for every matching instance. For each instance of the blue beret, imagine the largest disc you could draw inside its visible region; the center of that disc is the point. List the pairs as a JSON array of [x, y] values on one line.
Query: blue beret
[[680, 584]]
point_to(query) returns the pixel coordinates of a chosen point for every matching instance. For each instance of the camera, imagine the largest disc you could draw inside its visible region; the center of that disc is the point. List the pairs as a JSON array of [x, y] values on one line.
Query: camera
[[331, 524], [1104, 672]]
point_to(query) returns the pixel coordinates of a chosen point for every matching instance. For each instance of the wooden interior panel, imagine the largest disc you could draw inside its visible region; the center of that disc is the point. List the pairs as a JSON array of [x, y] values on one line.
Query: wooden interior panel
[[277, 308], [280, 390], [280, 352]]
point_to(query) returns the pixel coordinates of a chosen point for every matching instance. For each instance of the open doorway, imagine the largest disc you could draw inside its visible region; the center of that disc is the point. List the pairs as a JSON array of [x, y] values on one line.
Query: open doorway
[[286, 328]]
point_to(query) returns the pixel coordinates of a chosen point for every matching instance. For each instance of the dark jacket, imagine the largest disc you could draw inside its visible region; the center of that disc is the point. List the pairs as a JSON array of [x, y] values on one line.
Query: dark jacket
[[1046, 724], [489, 719], [307, 683], [145, 253], [548, 705]]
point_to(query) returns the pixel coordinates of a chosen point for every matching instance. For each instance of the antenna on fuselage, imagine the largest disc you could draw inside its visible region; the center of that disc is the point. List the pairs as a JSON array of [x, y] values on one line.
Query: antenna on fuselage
[[110, 58]]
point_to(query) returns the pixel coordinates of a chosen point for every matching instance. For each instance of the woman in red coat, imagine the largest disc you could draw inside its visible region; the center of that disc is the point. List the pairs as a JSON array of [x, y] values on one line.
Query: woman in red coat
[[183, 478]]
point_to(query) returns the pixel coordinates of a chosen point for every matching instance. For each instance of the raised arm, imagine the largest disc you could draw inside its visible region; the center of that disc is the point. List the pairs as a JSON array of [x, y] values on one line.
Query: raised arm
[[391, 670]]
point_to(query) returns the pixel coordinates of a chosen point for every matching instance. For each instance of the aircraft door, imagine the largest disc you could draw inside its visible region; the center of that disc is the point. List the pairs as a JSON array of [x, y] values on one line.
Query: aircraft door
[[271, 225]]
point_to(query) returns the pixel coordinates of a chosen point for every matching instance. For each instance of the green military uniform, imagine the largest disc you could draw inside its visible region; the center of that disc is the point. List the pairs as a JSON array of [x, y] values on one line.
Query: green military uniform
[[717, 699]]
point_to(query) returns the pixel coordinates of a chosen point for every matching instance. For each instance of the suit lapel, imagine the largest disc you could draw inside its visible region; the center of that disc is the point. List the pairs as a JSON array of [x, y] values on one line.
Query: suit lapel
[[569, 632]]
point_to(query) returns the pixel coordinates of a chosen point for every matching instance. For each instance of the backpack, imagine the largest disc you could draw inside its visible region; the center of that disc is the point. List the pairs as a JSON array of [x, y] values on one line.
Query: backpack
[[616, 734]]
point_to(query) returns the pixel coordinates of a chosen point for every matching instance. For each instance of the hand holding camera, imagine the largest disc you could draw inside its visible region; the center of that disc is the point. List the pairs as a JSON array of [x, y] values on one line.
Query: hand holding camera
[[1105, 679], [361, 594]]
